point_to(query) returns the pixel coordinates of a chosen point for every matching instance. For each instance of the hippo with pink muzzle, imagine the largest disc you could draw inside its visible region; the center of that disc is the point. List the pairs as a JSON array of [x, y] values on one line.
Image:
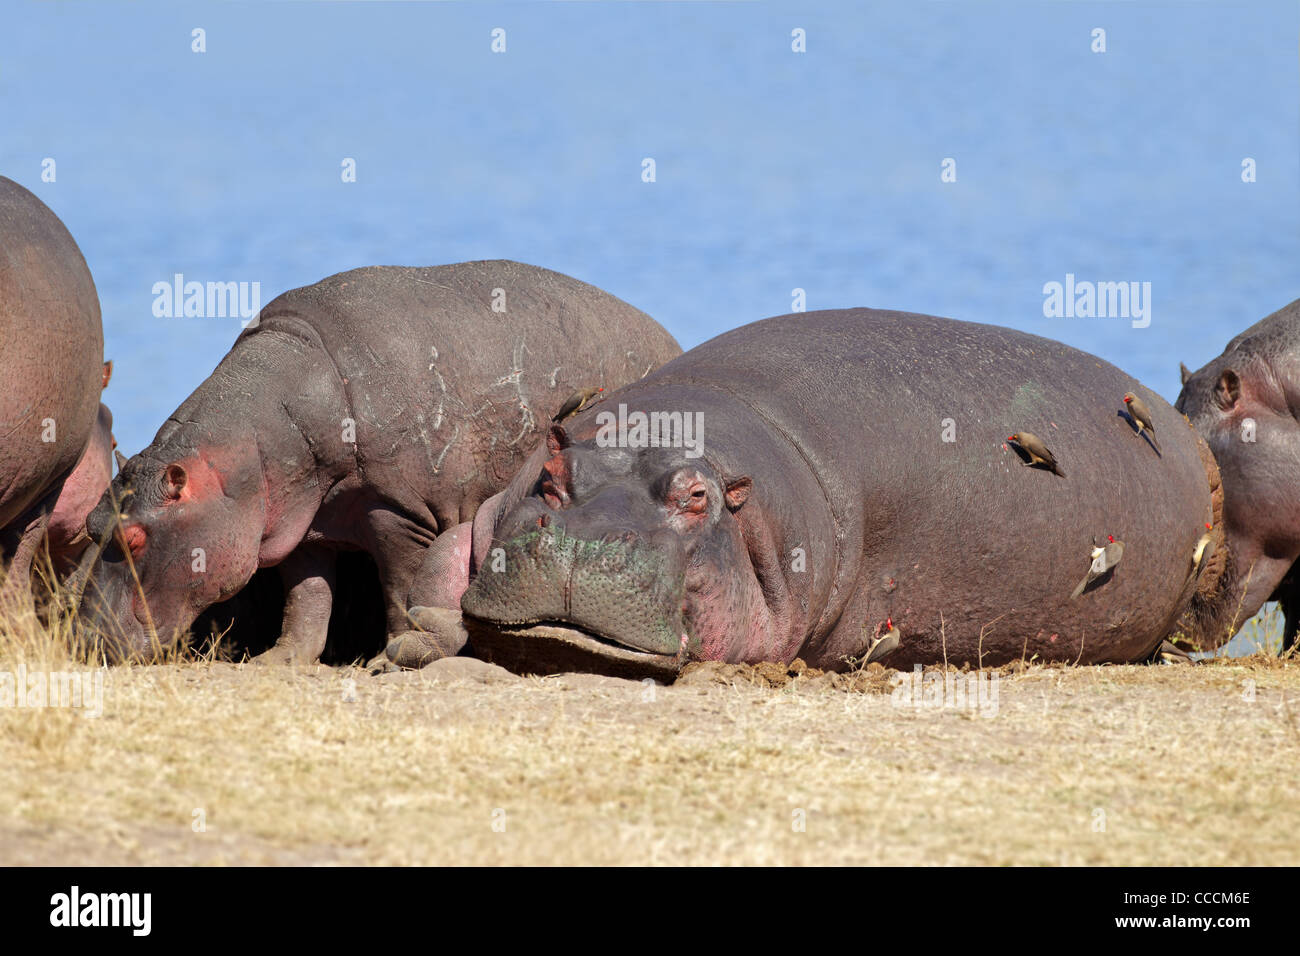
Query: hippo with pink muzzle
[[1246, 405], [368, 412], [811, 484]]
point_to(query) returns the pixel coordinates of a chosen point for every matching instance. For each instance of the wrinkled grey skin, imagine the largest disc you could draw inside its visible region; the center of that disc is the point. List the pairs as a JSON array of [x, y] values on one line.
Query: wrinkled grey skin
[[51, 361], [1253, 385], [827, 503], [370, 412]]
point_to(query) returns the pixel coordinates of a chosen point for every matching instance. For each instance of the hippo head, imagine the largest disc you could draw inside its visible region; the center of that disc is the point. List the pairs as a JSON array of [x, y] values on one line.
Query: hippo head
[[175, 537], [1244, 405], [631, 551]]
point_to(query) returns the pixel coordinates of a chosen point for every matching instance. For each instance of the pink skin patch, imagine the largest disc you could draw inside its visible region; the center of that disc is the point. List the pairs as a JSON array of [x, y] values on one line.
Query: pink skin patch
[[83, 488]]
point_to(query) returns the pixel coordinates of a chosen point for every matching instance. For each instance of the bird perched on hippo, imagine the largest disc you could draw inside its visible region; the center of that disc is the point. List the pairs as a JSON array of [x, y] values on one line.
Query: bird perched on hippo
[[55, 436], [371, 411], [852, 481], [1246, 405]]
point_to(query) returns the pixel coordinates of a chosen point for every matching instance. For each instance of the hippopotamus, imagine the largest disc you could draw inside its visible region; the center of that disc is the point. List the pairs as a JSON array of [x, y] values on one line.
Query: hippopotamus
[[808, 485], [51, 376], [66, 535], [370, 412], [1245, 404]]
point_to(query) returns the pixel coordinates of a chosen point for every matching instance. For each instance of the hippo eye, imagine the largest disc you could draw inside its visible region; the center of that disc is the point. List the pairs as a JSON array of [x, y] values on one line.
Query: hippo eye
[[697, 502]]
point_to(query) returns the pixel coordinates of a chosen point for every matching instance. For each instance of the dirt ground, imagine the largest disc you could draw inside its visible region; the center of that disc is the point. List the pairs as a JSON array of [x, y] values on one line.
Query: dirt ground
[[218, 763]]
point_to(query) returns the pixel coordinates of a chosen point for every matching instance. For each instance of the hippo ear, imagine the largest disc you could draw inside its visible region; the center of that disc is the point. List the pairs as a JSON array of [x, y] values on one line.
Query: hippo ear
[[557, 439], [174, 481], [1228, 389], [108, 373], [1184, 372], [737, 492]]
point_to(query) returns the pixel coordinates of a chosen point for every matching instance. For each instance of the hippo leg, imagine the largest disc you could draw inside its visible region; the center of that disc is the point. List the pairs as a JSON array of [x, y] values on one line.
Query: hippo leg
[[398, 544], [434, 602], [16, 589], [1288, 595], [308, 574]]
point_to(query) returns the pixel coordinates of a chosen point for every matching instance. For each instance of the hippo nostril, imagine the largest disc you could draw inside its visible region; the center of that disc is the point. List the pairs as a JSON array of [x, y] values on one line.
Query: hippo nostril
[[543, 521]]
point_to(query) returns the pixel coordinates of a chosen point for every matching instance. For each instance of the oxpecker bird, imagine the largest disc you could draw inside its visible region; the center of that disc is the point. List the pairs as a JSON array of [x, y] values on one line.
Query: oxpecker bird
[[1201, 553], [1203, 550], [1170, 653], [576, 403], [1141, 415], [1038, 452], [887, 642], [1103, 560]]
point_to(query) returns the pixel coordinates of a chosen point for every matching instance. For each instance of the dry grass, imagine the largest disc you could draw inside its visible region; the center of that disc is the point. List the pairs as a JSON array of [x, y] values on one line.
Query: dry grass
[[1185, 765]]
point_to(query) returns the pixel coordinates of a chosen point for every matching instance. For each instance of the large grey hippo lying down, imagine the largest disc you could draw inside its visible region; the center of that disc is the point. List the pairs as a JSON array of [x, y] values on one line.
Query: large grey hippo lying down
[[1246, 403], [846, 475], [370, 411]]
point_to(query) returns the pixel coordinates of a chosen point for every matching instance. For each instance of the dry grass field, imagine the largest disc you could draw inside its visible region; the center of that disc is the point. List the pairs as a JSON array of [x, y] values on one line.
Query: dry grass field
[[204, 761]]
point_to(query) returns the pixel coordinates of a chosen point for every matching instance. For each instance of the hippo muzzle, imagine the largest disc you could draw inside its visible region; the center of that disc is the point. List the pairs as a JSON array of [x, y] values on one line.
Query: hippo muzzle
[[107, 622], [611, 584]]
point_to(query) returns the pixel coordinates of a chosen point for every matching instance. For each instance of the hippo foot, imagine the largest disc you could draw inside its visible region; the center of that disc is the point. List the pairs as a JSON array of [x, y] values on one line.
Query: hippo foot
[[439, 633], [412, 650], [280, 654]]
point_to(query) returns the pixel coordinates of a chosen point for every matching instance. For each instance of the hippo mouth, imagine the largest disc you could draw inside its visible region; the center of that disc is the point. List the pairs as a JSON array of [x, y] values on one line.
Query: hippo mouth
[[565, 603], [555, 647]]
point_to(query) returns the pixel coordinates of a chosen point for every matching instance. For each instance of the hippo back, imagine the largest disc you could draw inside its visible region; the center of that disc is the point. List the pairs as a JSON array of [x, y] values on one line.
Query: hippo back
[[51, 351], [449, 372]]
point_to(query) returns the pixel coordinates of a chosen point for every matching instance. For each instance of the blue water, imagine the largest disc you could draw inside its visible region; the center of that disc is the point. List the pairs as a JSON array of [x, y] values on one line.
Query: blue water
[[775, 170]]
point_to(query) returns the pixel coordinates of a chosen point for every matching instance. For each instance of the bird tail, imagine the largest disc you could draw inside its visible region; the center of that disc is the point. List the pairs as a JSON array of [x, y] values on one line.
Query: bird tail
[[1057, 469], [1079, 590]]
